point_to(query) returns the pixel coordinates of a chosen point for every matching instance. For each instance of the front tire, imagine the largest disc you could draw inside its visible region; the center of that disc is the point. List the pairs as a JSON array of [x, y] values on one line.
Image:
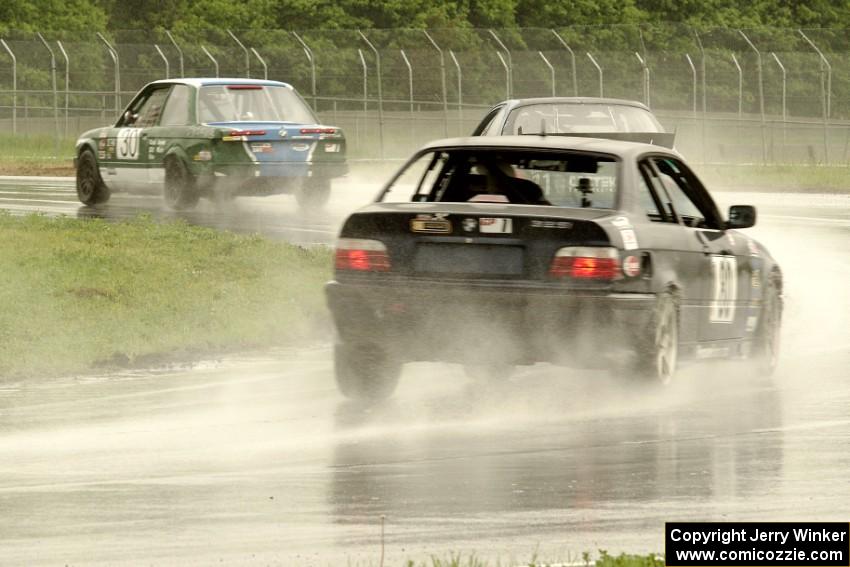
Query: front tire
[[313, 193], [91, 190], [658, 349], [180, 191], [365, 371]]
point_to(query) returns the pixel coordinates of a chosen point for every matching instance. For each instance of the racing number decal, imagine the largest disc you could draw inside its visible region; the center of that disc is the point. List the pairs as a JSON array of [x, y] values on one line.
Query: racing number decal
[[724, 271], [128, 143]]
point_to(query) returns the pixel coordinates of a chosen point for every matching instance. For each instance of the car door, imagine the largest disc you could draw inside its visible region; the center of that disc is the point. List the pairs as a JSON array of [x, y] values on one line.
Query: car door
[[172, 128], [677, 253], [726, 274], [126, 163]]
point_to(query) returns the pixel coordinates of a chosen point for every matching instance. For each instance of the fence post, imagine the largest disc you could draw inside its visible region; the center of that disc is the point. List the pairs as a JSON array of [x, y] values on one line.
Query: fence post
[[365, 81], [784, 107], [67, 82], [55, 93], [761, 96], [245, 51], [442, 82], [824, 63], [114, 54], [205, 50], [572, 60], [263, 63], [825, 93], [365, 92], [312, 60], [409, 77], [704, 92], [702, 72], [459, 89], [164, 60], [380, 93], [645, 68], [14, 85], [694, 75], [510, 63], [551, 70], [599, 70], [507, 74], [740, 93], [179, 51], [410, 91]]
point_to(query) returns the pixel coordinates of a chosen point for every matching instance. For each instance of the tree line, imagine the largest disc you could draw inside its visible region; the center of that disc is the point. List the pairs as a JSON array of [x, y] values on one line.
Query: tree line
[[196, 16]]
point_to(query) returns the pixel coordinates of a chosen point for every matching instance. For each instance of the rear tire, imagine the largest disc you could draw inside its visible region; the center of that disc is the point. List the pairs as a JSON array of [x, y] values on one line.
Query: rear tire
[[180, 191], [658, 349], [313, 192], [365, 371], [91, 190], [765, 356]]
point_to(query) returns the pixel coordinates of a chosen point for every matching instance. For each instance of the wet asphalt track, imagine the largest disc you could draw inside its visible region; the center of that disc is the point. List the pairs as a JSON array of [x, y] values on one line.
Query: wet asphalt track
[[255, 461]]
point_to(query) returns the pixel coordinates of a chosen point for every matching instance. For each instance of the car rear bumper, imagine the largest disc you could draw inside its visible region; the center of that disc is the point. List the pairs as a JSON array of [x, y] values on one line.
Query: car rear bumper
[[474, 324], [265, 178], [327, 169]]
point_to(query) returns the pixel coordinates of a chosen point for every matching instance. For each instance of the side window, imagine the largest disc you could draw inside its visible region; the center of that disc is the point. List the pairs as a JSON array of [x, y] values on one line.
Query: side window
[[647, 200], [417, 180], [487, 121], [176, 112], [684, 195], [151, 109]]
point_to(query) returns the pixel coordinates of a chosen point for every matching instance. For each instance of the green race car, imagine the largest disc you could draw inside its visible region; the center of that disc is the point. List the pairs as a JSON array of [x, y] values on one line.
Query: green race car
[[215, 138]]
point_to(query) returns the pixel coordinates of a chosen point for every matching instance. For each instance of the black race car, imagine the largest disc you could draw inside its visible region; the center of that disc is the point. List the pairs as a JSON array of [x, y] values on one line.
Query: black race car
[[499, 251]]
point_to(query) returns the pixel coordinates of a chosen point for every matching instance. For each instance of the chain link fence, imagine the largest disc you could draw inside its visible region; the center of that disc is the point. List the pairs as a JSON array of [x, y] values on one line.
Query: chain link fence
[[732, 96]]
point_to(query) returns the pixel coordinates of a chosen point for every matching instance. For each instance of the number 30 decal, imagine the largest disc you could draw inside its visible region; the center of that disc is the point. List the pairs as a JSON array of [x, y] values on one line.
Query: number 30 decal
[[724, 271], [128, 143]]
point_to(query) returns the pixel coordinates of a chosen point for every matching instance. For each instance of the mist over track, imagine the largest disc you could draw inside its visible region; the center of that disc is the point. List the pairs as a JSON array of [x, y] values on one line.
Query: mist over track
[[258, 460]]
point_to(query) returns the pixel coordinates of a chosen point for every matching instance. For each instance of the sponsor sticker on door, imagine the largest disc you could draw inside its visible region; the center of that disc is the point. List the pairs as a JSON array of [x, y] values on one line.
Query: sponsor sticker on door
[[724, 270]]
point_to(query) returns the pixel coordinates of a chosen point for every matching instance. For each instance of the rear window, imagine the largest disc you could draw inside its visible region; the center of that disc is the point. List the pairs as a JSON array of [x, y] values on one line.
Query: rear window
[[496, 175], [580, 118], [252, 103]]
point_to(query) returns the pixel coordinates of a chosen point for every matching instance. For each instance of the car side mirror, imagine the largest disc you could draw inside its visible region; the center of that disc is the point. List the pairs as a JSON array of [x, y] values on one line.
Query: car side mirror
[[741, 216], [129, 117]]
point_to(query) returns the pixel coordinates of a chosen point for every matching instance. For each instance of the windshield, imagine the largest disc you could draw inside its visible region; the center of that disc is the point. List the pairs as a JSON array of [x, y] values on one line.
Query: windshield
[[497, 175], [252, 103], [574, 117]]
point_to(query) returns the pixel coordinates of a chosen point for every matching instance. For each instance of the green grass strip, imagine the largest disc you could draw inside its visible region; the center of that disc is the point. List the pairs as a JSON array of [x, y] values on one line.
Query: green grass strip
[[80, 293]]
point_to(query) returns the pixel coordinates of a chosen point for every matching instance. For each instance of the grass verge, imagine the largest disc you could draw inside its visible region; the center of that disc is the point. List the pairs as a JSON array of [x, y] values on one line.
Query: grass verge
[[80, 294], [36, 155]]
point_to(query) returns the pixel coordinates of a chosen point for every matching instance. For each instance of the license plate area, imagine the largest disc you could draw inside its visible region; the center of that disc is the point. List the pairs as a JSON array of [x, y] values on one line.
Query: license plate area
[[477, 260]]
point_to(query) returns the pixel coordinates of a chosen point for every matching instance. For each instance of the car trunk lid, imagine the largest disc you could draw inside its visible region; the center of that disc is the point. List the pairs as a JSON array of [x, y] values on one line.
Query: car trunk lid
[[284, 141], [468, 242]]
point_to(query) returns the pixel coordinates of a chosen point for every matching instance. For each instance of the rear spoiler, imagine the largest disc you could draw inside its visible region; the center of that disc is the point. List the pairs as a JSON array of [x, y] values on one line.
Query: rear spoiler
[[666, 139]]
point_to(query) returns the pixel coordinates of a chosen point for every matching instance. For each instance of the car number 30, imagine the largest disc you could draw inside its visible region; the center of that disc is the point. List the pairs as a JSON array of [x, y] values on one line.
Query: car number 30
[[128, 143], [725, 275]]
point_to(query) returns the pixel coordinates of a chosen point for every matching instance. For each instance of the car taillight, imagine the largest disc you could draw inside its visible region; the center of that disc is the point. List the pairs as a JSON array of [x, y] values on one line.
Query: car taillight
[[362, 255], [586, 263]]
